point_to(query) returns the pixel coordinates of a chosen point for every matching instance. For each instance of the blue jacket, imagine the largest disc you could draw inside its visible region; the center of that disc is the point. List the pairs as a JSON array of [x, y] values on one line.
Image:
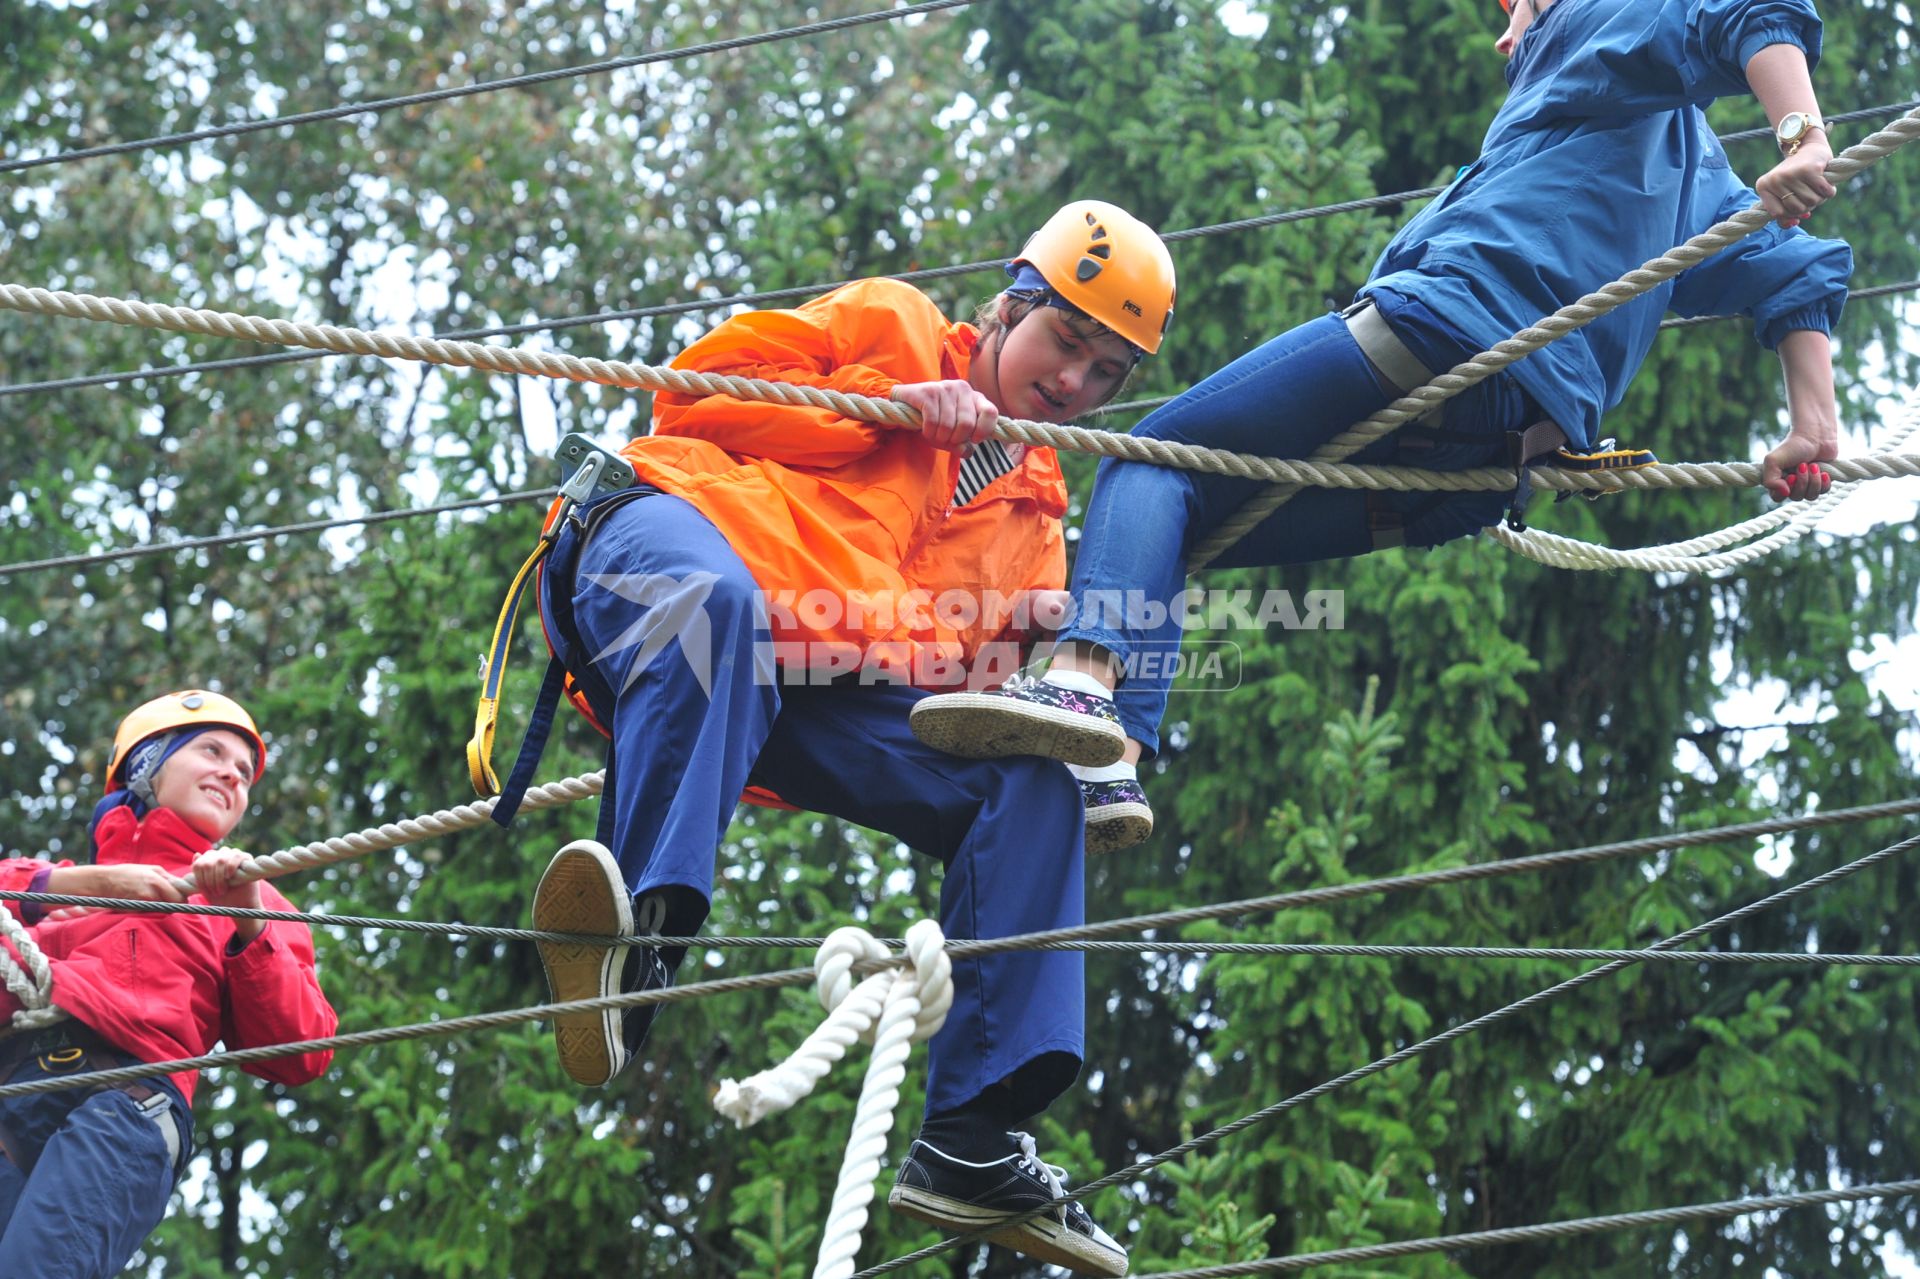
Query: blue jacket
[[1601, 159]]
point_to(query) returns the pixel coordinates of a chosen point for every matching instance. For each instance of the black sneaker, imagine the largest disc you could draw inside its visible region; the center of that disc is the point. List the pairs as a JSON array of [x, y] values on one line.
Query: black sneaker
[[582, 892], [1022, 717], [1118, 815], [969, 1198]]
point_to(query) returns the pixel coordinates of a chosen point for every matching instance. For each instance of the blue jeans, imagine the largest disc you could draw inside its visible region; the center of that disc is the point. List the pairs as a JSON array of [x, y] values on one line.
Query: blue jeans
[[103, 1170], [673, 627], [1283, 399]]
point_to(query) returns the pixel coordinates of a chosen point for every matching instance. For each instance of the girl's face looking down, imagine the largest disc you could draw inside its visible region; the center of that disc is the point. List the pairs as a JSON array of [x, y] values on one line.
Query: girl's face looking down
[[1051, 365]]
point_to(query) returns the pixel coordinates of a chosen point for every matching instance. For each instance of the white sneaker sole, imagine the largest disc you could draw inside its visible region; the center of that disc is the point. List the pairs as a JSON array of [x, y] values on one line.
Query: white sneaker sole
[[582, 892], [1117, 826], [1043, 1238], [995, 726]]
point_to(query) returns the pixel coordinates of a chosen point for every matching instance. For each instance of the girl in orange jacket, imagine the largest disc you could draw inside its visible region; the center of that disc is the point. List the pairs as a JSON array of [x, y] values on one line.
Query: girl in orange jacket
[[767, 606]]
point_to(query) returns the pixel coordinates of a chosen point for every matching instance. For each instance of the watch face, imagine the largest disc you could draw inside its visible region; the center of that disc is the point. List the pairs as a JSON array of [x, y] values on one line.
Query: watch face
[[1792, 125]]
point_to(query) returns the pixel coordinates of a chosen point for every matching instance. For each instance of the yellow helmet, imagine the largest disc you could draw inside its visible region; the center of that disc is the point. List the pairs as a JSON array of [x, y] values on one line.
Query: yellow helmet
[[1109, 264], [188, 708]]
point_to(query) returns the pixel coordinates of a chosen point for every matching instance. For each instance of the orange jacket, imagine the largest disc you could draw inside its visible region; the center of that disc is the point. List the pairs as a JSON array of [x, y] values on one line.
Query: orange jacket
[[849, 526]]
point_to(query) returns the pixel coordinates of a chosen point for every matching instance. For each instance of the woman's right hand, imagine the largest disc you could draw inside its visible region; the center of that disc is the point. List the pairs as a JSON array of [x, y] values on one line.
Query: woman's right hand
[[952, 414], [128, 882]]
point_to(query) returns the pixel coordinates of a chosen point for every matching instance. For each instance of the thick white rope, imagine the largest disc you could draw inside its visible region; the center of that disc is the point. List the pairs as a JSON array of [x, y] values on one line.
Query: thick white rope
[[894, 1009], [1421, 400], [1317, 471], [1290, 474], [1696, 555], [31, 985]]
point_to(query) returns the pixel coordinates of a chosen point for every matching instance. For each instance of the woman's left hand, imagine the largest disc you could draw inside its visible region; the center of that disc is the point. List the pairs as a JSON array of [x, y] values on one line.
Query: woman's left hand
[[1798, 185]]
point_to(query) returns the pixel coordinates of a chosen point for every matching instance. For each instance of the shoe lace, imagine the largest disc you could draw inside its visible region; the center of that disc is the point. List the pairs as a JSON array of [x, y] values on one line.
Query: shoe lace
[[1030, 1159], [1017, 682]]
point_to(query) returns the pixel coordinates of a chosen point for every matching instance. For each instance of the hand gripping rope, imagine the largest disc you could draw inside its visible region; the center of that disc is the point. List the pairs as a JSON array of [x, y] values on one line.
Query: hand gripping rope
[[895, 1009]]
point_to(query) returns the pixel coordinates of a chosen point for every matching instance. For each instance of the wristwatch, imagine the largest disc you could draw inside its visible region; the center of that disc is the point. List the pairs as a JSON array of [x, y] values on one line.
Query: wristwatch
[[1793, 129]]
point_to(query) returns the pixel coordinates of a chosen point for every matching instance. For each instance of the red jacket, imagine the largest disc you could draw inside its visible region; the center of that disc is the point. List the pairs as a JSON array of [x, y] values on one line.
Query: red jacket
[[161, 987]]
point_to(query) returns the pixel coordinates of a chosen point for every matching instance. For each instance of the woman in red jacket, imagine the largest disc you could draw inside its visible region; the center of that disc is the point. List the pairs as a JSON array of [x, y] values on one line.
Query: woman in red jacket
[[87, 1171]]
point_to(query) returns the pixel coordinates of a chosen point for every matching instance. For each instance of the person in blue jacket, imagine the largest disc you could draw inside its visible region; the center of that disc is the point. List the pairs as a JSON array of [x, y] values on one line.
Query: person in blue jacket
[[1599, 160]]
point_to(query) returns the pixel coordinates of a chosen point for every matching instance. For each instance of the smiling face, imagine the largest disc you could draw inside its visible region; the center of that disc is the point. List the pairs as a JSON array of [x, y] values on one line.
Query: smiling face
[[1050, 365], [207, 781]]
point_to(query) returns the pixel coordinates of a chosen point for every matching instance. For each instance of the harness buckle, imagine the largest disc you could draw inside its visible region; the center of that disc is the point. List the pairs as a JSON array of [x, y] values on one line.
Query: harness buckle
[[63, 1059], [596, 469]]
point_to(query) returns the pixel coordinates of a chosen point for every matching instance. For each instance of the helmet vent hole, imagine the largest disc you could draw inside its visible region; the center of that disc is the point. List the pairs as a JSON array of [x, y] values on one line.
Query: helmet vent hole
[[1099, 233], [1087, 269], [1091, 220], [1101, 251]]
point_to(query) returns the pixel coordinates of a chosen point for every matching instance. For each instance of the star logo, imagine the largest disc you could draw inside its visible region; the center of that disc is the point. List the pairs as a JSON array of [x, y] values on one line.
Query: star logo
[[675, 608]]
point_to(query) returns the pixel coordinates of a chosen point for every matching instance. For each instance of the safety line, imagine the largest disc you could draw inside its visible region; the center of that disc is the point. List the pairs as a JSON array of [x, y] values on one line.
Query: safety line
[[1405, 1054], [485, 86], [1549, 1230], [484, 932], [959, 950], [803, 292], [262, 534]]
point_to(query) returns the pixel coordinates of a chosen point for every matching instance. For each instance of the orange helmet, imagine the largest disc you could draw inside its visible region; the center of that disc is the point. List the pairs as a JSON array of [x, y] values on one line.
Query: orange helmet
[[188, 708], [1109, 264]]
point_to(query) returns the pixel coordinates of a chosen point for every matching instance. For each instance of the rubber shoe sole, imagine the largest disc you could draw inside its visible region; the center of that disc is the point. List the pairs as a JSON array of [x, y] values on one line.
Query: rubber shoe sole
[[582, 892], [995, 726], [1043, 1238], [1117, 826]]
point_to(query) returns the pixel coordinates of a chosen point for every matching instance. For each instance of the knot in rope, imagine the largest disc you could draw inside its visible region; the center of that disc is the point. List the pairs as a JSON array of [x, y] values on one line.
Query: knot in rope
[[932, 971], [893, 1009]]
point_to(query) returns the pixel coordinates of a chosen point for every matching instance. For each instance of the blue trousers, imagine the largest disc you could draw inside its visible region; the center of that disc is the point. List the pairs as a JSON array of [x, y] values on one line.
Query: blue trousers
[[103, 1170], [1283, 399], [673, 625]]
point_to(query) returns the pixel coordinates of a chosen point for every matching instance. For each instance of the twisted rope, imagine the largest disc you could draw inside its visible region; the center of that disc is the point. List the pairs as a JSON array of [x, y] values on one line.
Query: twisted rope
[[1318, 470], [1421, 400], [411, 830], [894, 1009], [304, 857], [1549, 1230], [1699, 555], [32, 984]]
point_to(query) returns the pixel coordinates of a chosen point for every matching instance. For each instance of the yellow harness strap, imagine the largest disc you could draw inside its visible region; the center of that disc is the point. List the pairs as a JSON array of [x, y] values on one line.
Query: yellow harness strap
[[596, 470], [493, 670], [1606, 459]]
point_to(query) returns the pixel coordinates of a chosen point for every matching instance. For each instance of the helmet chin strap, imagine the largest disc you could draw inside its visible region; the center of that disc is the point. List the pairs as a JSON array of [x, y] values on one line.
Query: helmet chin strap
[[143, 765]]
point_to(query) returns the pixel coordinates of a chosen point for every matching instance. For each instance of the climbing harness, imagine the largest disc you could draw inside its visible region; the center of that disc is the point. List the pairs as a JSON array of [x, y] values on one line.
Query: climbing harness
[[1542, 444], [596, 472], [73, 1048]]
